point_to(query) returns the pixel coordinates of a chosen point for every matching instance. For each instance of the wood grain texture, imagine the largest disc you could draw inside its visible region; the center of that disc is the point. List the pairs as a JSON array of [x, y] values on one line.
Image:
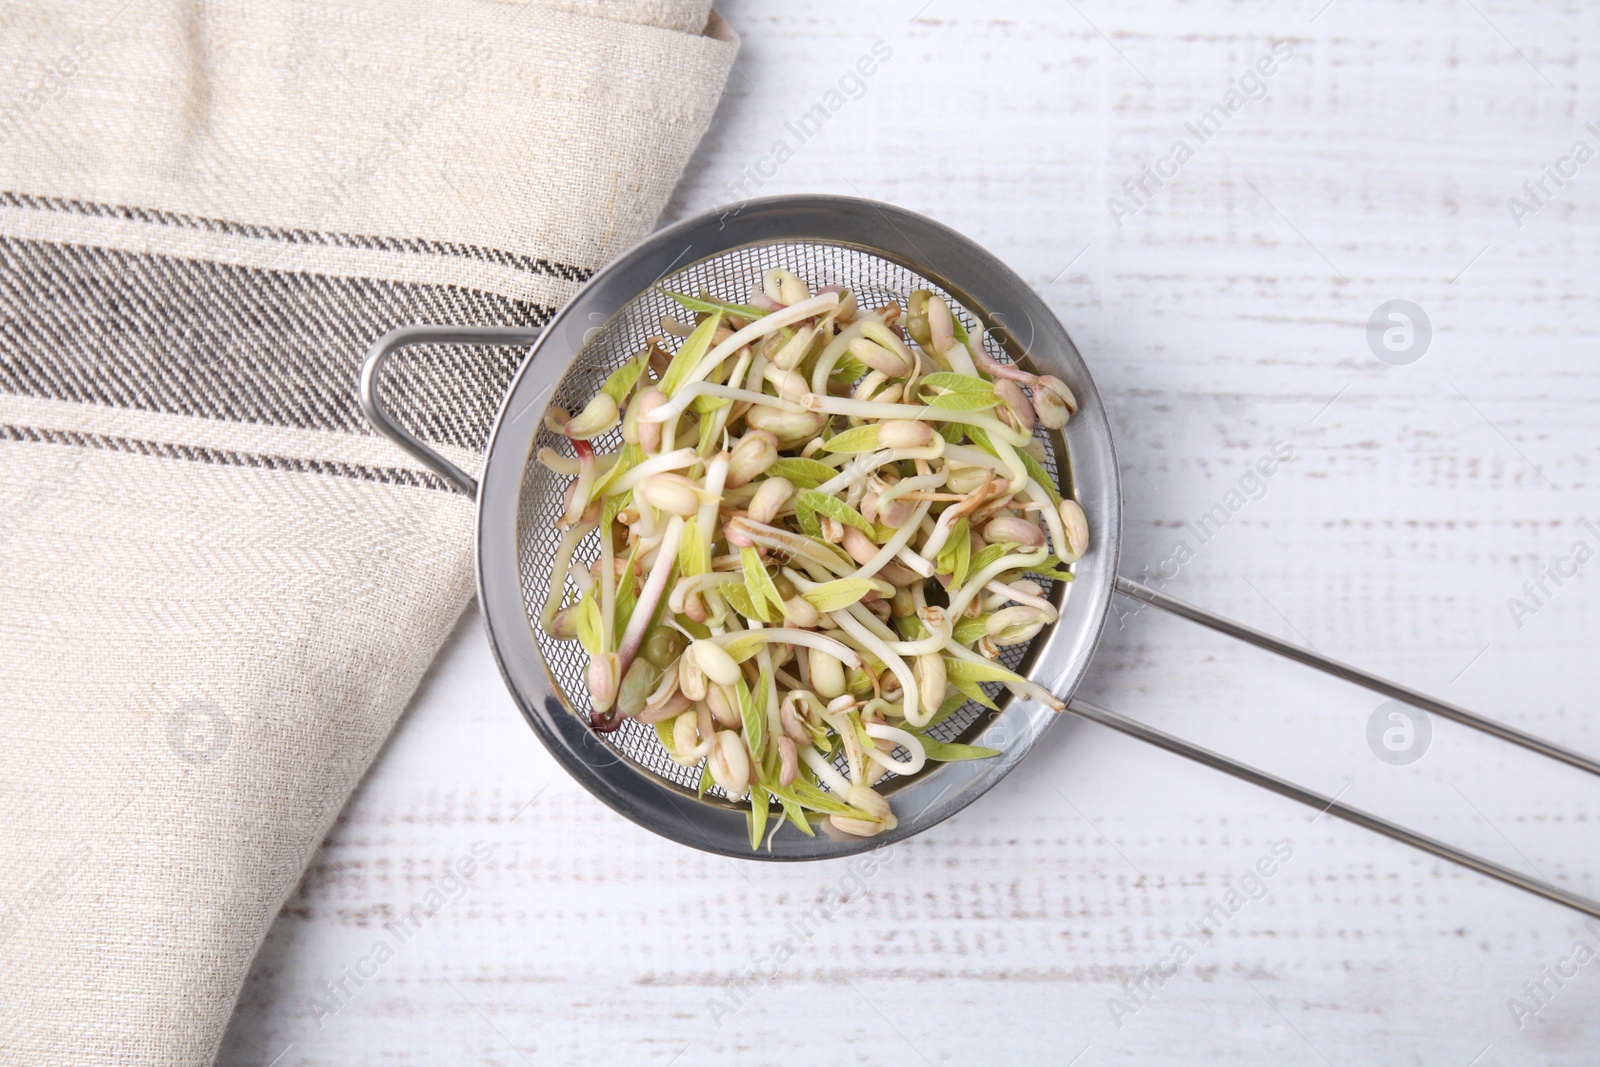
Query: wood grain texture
[[1226, 315]]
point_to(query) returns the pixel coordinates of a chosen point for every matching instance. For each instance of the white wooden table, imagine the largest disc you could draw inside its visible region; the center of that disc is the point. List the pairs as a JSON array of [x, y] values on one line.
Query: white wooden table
[[1225, 314]]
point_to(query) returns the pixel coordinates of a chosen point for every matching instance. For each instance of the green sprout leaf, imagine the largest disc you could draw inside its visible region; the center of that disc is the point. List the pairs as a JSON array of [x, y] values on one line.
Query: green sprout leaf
[[760, 701], [809, 524], [759, 805], [968, 671], [613, 507], [821, 739], [704, 405], [802, 473], [989, 555], [849, 369], [622, 380], [837, 594], [944, 752], [951, 382], [759, 583], [689, 355], [973, 692], [956, 559], [855, 439], [754, 718], [953, 702], [703, 306], [1037, 472], [630, 457], [590, 624], [969, 630], [980, 437], [809, 502], [627, 597], [693, 555], [1051, 567], [664, 735], [742, 648], [957, 392], [796, 815], [741, 600], [909, 627], [812, 798]]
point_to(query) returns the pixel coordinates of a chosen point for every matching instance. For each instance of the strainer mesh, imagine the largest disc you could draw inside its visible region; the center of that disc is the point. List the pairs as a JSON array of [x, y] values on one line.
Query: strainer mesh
[[728, 276]]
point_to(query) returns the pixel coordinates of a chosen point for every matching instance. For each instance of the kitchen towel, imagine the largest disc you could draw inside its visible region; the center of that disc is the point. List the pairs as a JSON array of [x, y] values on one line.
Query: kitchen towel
[[217, 587]]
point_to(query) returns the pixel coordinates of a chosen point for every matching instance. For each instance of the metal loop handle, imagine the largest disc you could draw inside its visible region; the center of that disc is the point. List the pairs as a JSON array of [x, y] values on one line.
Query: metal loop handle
[[1331, 805], [1366, 679], [405, 337]]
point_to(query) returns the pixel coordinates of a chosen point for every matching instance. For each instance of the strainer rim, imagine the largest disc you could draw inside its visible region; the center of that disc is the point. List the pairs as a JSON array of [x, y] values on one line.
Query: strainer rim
[[896, 235]]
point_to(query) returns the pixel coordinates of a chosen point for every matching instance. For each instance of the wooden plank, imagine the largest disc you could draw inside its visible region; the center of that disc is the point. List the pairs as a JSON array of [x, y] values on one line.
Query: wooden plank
[[1225, 315]]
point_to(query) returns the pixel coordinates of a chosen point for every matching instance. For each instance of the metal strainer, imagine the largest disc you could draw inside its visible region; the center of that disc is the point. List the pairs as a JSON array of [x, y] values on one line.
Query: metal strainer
[[880, 252]]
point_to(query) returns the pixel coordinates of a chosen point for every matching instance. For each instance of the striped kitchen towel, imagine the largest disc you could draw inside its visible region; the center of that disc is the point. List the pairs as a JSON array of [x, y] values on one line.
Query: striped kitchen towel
[[217, 587]]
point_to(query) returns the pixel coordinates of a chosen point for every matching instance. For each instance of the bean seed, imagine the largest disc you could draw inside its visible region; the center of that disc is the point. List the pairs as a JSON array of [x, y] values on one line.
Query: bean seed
[[663, 645]]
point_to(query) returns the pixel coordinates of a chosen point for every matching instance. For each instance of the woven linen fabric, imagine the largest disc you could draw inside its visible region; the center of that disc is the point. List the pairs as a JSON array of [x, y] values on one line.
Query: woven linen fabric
[[217, 587]]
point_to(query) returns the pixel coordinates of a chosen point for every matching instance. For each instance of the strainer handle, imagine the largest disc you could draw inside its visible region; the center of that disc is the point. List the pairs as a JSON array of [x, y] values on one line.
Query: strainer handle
[[1366, 679], [1331, 805], [405, 337], [1326, 805]]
